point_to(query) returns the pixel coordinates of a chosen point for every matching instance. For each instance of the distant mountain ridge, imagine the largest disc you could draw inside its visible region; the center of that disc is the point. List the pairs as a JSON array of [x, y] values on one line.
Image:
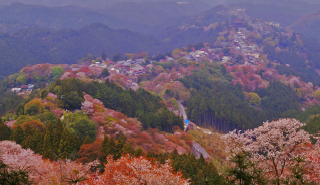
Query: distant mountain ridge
[[35, 45], [308, 25]]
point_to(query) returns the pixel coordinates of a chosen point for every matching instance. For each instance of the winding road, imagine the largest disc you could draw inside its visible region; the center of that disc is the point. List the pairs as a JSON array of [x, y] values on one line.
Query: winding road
[[182, 111], [197, 150]]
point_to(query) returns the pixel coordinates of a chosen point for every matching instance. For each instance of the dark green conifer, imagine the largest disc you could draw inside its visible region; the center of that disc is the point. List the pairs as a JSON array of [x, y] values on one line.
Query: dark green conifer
[[87, 140], [57, 135], [27, 131], [174, 154], [120, 145], [68, 144], [104, 148], [112, 150], [27, 142], [127, 149], [37, 141], [18, 135], [48, 142], [5, 131], [138, 152]]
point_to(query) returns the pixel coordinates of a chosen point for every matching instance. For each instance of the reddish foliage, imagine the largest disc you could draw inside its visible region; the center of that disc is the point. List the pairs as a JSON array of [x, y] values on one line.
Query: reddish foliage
[[90, 152], [128, 170]]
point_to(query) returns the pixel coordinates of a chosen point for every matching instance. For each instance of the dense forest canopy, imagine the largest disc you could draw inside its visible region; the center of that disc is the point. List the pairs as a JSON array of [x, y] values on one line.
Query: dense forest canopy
[[148, 108], [68, 46]]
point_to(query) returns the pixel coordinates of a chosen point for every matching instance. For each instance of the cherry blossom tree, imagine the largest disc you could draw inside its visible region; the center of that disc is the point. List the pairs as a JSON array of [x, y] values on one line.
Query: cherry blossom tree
[[129, 170], [87, 107], [43, 171], [274, 149]]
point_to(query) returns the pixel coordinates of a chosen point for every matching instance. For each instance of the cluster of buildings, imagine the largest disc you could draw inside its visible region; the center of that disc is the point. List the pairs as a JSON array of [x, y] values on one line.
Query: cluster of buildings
[[129, 67], [27, 88]]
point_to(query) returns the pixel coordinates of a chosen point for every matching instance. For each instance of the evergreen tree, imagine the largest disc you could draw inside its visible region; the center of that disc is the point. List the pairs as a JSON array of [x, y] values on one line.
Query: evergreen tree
[[20, 110], [37, 141], [112, 150], [18, 135], [10, 176], [27, 142], [138, 152], [68, 144], [48, 143], [43, 94], [5, 131], [57, 135], [127, 149], [104, 148], [120, 145], [103, 55], [27, 131], [87, 140]]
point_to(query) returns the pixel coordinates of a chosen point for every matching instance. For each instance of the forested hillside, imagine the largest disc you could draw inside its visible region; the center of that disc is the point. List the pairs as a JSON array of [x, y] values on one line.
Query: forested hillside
[[308, 25], [68, 46], [283, 12], [148, 108]]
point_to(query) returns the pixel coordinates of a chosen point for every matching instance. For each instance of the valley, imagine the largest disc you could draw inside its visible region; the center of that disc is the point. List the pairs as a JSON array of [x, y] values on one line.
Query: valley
[[192, 94]]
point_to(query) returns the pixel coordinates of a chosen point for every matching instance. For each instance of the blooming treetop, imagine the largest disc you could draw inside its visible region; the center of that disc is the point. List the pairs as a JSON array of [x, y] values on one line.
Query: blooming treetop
[[87, 107], [272, 147], [129, 170], [42, 171]]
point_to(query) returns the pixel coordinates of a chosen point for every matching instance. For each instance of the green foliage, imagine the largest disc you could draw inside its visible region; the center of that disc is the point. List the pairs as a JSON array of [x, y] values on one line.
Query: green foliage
[[222, 102], [254, 99], [297, 63], [276, 99], [68, 145], [8, 100], [182, 61], [23, 118], [239, 58], [311, 117], [10, 176], [33, 110], [117, 149], [241, 174], [48, 142], [20, 110], [57, 135], [18, 135], [147, 107], [117, 57], [87, 140], [105, 73], [103, 55], [226, 51], [43, 94], [69, 95], [56, 72], [198, 170], [46, 118], [5, 131], [37, 142], [59, 45], [83, 127]]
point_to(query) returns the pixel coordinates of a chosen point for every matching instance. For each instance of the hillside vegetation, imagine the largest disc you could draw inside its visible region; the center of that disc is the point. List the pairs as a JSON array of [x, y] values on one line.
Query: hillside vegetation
[[68, 46], [308, 25]]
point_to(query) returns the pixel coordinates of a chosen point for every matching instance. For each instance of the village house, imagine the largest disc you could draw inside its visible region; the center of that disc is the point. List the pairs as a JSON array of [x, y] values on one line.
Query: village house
[[16, 90]]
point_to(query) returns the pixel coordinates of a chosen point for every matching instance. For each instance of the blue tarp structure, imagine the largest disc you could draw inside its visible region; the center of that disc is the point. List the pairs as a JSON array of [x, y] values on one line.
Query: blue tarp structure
[[186, 121]]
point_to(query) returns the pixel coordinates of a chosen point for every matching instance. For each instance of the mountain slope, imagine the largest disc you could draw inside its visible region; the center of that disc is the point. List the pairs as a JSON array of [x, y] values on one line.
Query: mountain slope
[[33, 45], [57, 17], [283, 12], [308, 25]]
